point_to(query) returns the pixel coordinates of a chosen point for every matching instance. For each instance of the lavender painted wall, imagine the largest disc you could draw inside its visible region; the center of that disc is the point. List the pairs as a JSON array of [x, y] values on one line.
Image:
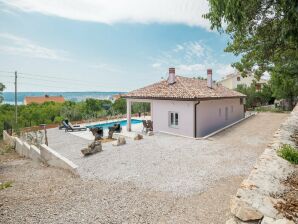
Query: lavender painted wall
[[209, 118], [185, 110], [211, 114]]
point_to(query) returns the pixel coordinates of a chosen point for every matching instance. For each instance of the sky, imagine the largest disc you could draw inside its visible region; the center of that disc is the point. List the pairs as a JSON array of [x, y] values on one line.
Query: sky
[[106, 45]]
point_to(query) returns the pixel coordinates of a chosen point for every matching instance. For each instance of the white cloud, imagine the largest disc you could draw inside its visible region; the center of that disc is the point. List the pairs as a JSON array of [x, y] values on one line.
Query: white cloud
[[224, 69], [15, 45], [187, 12], [156, 65], [192, 69], [192, 58]]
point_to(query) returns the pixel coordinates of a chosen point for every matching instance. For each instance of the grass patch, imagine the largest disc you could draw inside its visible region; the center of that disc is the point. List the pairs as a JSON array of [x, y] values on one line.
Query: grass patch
[[5, 148], [5, 185], [289, 153]]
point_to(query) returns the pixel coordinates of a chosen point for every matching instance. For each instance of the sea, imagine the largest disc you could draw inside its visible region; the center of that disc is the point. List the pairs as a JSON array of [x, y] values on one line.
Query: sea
[[9, 97]]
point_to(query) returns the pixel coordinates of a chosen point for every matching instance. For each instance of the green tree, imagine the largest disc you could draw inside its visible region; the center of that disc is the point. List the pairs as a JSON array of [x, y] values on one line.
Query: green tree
[[119, 106], [265, 35], [2, 87], [256, 98]]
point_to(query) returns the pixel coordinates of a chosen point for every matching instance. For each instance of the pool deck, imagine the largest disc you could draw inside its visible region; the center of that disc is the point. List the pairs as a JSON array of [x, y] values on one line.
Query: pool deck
[[173, 164], [136, 128]]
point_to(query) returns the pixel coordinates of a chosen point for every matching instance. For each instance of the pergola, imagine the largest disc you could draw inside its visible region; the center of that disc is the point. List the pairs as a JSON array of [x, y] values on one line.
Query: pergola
[[129, 102]]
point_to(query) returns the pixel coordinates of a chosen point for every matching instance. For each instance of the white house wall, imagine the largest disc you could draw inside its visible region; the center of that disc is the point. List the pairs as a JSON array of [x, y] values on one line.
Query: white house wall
[[209, 118], [185, 110]]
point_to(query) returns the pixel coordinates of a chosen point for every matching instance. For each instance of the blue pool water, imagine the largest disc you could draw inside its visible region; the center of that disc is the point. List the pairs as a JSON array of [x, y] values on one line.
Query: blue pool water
[[109, 124]]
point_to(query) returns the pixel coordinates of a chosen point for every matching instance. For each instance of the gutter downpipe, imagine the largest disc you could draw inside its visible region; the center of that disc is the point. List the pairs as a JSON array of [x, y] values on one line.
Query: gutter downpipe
[[196, 117]]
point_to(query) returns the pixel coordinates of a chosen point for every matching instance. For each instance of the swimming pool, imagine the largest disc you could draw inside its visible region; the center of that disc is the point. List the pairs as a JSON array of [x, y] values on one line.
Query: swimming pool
[[109, 124]]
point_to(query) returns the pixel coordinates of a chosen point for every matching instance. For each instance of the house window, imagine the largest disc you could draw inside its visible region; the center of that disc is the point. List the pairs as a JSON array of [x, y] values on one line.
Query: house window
[[226, 113], [174, 118], [219, 112], [241, 101], [238, 79]]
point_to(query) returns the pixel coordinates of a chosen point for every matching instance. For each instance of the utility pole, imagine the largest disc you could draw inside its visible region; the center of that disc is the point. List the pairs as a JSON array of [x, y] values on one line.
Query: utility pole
[[16, 96]]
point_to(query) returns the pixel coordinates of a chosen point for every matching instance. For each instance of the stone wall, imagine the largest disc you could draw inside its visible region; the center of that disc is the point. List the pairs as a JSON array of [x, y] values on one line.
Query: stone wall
[[254, 201], [52, 158], [43, 154]]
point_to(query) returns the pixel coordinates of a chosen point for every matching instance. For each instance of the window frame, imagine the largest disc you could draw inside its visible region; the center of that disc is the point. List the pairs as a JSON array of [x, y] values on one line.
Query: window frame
[[172, 117]]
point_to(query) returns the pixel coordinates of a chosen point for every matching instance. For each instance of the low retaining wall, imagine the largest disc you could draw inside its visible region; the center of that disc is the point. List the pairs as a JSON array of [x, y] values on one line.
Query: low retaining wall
[[53, 158], [43, 154], [8, 139], [254, 201]]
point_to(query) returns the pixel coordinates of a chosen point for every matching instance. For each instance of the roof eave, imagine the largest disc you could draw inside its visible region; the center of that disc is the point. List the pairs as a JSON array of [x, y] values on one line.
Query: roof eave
[[182, 99]]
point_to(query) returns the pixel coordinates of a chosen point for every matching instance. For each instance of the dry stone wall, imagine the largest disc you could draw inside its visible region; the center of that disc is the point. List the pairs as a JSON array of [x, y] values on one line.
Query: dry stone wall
[[254, 201]]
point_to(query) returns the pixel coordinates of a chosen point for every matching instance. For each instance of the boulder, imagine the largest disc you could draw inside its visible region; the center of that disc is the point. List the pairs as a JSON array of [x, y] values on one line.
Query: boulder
[[92, 148], [138, 137], [120, 141], [244, 211]]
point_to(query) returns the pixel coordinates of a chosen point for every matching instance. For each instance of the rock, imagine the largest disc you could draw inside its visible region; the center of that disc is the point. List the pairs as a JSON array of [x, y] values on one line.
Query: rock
[[138, 137], [94, 147], [244, 211], [268, 220], [150, 133], [120, 141], [231, 221]]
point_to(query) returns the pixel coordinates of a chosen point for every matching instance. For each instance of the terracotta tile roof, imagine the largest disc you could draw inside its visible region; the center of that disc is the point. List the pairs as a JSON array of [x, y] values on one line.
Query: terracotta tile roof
[[183, 89], [42, 99]]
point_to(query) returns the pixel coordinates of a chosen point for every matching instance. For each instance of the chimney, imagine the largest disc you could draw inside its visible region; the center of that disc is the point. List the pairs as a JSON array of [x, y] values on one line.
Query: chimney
[[209, 78], [171, 78]]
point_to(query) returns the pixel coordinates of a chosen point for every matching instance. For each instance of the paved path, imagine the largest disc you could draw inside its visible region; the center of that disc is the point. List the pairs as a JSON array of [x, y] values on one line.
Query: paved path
[[174, 164]]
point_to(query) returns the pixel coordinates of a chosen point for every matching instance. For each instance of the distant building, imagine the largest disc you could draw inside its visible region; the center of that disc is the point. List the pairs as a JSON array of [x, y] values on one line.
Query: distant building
[[43, 99], [116, 97], [231, 81]]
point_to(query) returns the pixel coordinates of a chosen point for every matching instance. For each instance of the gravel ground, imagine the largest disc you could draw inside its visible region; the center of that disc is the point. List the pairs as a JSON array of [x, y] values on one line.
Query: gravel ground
[[174, 164], [47, 195]]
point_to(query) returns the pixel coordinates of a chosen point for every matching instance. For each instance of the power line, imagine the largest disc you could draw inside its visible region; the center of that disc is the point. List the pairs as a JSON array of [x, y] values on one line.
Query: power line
[[50, 79], [7, 75], [53, 77], [55, 81], [6, 72]]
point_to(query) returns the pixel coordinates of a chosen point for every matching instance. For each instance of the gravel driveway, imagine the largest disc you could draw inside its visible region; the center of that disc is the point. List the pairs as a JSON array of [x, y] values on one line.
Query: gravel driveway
[[173, 164], [132, 184]]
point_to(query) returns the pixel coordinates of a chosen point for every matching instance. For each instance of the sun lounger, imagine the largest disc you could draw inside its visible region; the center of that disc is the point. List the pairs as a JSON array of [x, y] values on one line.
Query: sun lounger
[[116, 128], [70, 127], [144, 126], [64, 124], [97, 132], [149, 125]]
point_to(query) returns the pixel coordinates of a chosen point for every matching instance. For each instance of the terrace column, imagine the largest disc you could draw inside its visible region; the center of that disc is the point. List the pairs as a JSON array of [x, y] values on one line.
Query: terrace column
[[128, 114], [151, 110]]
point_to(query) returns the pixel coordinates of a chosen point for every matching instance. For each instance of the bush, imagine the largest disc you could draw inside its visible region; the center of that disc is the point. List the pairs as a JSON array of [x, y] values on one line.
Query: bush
[[267, 109], [289, 153]]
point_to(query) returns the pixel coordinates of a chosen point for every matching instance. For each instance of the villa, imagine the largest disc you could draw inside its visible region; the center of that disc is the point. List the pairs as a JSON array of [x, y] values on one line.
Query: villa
[[188, 106], [232, 81]]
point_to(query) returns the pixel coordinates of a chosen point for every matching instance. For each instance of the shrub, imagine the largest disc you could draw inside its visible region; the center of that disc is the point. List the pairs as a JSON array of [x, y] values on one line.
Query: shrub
[[268, 109], [288, 153]]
